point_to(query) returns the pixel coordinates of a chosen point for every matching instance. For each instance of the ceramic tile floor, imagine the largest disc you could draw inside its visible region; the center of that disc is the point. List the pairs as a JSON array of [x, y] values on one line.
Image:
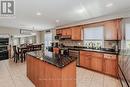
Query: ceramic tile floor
[[14, 75]]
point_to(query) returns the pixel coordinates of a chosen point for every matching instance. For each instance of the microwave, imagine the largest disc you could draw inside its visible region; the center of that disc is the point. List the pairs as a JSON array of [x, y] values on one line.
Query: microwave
[[57, 37]]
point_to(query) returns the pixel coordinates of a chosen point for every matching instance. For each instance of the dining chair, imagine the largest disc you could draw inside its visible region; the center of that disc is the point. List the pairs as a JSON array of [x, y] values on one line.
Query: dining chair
[[23, 54], [16, 54]]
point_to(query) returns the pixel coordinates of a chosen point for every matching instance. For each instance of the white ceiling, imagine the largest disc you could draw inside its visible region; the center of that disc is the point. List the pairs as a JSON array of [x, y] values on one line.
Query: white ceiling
[[67, 11]]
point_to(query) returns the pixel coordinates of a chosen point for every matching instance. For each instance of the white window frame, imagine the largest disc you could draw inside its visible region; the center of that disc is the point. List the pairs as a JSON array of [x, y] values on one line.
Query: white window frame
[[91, 39]]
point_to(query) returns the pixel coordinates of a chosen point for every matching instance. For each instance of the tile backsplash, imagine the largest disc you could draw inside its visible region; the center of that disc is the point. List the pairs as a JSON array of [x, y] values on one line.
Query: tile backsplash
[[72, 43], [107, 44]]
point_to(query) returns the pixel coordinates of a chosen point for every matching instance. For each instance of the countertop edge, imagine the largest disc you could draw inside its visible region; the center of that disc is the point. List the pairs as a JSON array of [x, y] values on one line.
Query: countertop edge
[[50, 62]]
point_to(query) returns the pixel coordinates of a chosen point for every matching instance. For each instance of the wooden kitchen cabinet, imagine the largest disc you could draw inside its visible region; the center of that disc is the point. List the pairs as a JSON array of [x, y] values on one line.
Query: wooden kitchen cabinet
[[41, 76], [44, 74], [110, 31], [32, 71], [58, 31], [66, 31], [97, 61], [85, 59], [118, 24], [104, 63], [29, 66], [110, 65], [77, 33]]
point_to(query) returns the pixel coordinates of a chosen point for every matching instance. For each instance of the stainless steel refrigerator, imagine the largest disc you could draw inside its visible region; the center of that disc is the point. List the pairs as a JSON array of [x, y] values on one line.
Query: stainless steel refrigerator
[[124, 55]]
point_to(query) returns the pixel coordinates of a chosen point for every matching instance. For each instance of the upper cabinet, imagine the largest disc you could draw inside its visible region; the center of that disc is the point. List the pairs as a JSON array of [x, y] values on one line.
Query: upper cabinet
[[58, 31], [66, 31], [112, 30], [77, 33]]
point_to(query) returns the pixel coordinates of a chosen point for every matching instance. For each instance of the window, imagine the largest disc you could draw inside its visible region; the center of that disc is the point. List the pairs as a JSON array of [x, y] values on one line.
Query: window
[[48, 39], [30, 40], [16, 41], [22, 40], [94, 35], [127, 35]]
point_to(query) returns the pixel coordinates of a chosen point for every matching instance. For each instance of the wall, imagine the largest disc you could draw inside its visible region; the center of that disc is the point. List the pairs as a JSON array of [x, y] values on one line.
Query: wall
[[15, 31], [42, 33], [42, 36], [10, 31]]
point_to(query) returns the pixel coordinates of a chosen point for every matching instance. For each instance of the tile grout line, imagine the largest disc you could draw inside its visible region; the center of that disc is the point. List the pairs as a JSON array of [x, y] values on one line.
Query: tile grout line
[[10, 74], [18, 76], [91, 79], [103, 80]]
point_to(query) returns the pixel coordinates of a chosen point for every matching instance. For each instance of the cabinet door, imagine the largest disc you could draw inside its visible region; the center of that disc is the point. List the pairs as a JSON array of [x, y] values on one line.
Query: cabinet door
[[85, 59], [97, 61], [36, 72], [118, 24], [58, 31], [31, 69], [110, 65], [52, 76], [28, 67], [64, 32], [42, 66], [82, 62], [110, 30], [77, 33], [68, 31]]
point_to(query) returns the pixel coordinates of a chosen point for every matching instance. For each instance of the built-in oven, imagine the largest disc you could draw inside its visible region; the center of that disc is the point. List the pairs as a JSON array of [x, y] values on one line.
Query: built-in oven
[[4, 41], [75, 53], [3, 52]]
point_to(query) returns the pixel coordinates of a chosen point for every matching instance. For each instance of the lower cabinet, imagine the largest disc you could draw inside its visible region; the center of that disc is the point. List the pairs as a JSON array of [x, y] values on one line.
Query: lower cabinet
[[33, 70], [101, 62], [110, 65], [85, 59], [97, 61], [44, 74]]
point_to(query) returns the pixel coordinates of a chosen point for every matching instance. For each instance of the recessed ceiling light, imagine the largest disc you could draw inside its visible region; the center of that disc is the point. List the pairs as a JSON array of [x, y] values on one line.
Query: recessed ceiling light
[[38, 13], [109, 5], [81, 10], [57, 21]]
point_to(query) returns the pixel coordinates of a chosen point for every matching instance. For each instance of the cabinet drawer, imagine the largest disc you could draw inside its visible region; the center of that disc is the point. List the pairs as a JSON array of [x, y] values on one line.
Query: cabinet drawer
[[110, 56], [85, 53], [94, 54]]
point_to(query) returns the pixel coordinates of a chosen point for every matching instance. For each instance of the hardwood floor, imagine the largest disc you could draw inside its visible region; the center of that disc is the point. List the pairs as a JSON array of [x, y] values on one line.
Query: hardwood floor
[[14, 75]]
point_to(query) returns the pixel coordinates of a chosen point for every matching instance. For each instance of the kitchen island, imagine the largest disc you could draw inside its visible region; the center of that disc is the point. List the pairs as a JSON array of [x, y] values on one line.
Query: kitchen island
[[47, 69]]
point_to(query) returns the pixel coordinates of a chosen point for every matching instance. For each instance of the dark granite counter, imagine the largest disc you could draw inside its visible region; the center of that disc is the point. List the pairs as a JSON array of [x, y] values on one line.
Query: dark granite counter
[[94, 50], [52, 58]]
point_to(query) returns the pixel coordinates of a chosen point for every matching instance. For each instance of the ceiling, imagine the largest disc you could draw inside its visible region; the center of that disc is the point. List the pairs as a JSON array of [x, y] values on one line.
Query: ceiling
[[64, 11]]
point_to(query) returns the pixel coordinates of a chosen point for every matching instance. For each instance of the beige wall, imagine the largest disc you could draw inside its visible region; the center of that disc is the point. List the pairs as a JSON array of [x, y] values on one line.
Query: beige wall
[[10, 31], [15, 31]]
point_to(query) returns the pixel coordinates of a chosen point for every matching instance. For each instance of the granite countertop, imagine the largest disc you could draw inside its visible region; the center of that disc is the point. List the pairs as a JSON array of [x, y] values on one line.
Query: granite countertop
[[57, 60], [94, 50]]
